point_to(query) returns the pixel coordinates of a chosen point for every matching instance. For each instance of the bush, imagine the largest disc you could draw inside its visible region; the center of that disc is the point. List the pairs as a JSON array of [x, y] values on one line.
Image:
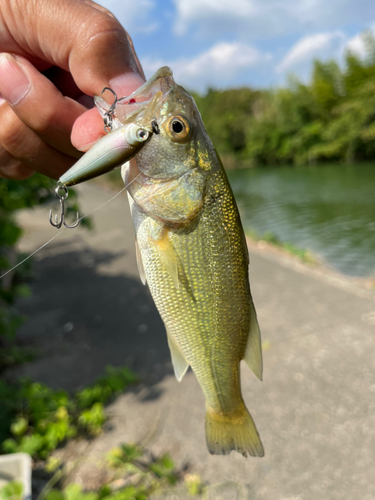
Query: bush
[[39, 419]]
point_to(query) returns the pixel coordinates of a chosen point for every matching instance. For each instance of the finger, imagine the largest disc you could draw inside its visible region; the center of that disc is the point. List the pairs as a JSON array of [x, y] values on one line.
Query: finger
[[63, 81], [86, 40], [24, 145], [87, 129], [38, 103], [139, 66], [77, 36], [11, 168]]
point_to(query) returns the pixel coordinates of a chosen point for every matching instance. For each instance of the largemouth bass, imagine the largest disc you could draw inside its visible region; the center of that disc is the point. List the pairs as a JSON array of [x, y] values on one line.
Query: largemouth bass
[[191, 250]]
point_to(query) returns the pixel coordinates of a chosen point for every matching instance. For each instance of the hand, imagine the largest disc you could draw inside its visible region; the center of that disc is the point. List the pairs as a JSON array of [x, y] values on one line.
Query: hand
[[53, 54]]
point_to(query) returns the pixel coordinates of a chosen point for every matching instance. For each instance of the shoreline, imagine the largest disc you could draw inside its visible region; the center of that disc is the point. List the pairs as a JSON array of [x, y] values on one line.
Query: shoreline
[[316, 267], [300, 257]]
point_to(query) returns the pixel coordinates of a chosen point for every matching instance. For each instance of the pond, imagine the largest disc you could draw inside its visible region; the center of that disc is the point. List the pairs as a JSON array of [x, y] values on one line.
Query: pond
[[327, 209]]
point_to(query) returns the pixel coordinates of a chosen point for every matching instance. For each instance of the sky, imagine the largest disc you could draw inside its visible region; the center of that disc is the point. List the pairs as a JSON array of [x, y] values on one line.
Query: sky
[[256, 43]]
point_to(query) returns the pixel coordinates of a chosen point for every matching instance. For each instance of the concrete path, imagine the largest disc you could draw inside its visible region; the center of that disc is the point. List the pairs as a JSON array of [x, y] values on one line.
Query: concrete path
[[315, 410]]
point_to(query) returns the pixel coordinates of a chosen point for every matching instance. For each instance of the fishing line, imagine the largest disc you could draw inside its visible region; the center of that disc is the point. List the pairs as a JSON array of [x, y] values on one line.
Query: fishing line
[[65, 228]]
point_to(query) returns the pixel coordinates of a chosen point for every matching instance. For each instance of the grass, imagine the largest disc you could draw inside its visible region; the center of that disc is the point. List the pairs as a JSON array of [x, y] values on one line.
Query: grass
[[12, 491], [36, 419], [132, 473], [304, 256]]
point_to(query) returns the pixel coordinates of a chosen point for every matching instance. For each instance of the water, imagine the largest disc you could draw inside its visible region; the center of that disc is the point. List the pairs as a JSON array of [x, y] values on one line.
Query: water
[[328, 209]]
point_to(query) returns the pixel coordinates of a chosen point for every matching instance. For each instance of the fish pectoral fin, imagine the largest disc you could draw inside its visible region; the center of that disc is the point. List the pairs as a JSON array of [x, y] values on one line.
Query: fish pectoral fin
[[179, 362], [168, 257], [141, 269], [253, 351]]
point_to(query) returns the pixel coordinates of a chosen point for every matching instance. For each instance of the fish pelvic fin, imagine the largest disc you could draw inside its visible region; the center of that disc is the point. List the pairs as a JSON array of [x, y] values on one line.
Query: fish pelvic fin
[[141, 269], [253, 351], [225, 433], [179, 362]]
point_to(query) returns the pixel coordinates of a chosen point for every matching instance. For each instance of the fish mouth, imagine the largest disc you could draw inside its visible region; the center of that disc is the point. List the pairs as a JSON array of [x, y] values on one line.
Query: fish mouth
[[142, 106]]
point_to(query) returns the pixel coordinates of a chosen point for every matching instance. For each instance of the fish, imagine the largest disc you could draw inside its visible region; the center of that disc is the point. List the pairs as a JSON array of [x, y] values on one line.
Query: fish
[[191, 251]]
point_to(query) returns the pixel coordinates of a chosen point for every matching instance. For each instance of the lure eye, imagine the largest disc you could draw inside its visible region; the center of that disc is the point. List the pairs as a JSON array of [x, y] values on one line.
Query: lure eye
[[142, 135], [178, 128]]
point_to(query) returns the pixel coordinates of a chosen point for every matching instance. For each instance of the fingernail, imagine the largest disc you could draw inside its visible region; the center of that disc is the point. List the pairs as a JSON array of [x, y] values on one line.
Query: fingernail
[[1, 99], [85, 147], [14, 84], [126, 84]]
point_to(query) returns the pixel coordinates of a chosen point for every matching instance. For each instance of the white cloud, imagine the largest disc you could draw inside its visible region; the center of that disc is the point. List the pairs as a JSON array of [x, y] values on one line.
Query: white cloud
[[191, 11], [319, 45], [218, 66], [322, 46], [357, 44], [134, 15], [268, 18]]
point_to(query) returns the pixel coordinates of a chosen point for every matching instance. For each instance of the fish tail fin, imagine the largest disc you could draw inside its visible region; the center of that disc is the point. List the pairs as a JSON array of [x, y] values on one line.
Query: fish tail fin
[[225, 433]]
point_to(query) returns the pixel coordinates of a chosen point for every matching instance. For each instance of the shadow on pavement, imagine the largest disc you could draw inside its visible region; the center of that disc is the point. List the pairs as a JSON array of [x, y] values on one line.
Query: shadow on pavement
[[81, 318]]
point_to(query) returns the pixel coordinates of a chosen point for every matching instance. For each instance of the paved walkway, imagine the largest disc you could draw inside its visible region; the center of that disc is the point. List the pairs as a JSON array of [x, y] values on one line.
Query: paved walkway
[[315, 409]]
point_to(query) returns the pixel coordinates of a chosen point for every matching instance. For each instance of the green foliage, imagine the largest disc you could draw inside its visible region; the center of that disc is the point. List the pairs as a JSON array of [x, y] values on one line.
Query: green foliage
[[37, 419], [163, 468], [92, 419], [133, 473], [74, 492], [304, 255], [153, 472], [124, 454], [12, 491], [331, 118], [225, 113], [114, 381], [194, 484]]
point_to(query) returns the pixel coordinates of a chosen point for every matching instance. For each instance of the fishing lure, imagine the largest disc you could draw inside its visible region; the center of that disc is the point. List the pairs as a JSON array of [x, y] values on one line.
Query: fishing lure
[[109, 152]]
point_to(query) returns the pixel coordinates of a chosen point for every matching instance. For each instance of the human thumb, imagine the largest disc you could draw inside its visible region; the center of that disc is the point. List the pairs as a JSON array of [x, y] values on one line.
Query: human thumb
[[78, 36]]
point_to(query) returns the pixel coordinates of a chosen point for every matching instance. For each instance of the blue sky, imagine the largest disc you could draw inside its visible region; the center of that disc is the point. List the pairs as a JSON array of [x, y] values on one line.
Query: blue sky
[[224, 43]]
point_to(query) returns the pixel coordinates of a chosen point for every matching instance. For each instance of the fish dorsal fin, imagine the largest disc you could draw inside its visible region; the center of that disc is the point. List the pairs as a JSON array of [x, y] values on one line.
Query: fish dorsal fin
[[253, 351], [141, 269], [180, 365], [168, 256]]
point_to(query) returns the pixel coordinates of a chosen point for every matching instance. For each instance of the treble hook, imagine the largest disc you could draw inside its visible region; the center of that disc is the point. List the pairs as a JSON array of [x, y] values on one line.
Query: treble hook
[[108, 116], [62, 199]]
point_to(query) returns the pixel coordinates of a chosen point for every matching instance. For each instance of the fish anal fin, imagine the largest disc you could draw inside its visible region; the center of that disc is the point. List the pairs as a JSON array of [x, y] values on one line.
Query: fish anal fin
[[141, 269], [253, 351], [225, 433], [179, 362]]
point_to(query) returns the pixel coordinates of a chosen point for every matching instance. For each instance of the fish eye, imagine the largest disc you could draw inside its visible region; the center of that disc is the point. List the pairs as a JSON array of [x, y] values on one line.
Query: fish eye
[[178, 128]]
